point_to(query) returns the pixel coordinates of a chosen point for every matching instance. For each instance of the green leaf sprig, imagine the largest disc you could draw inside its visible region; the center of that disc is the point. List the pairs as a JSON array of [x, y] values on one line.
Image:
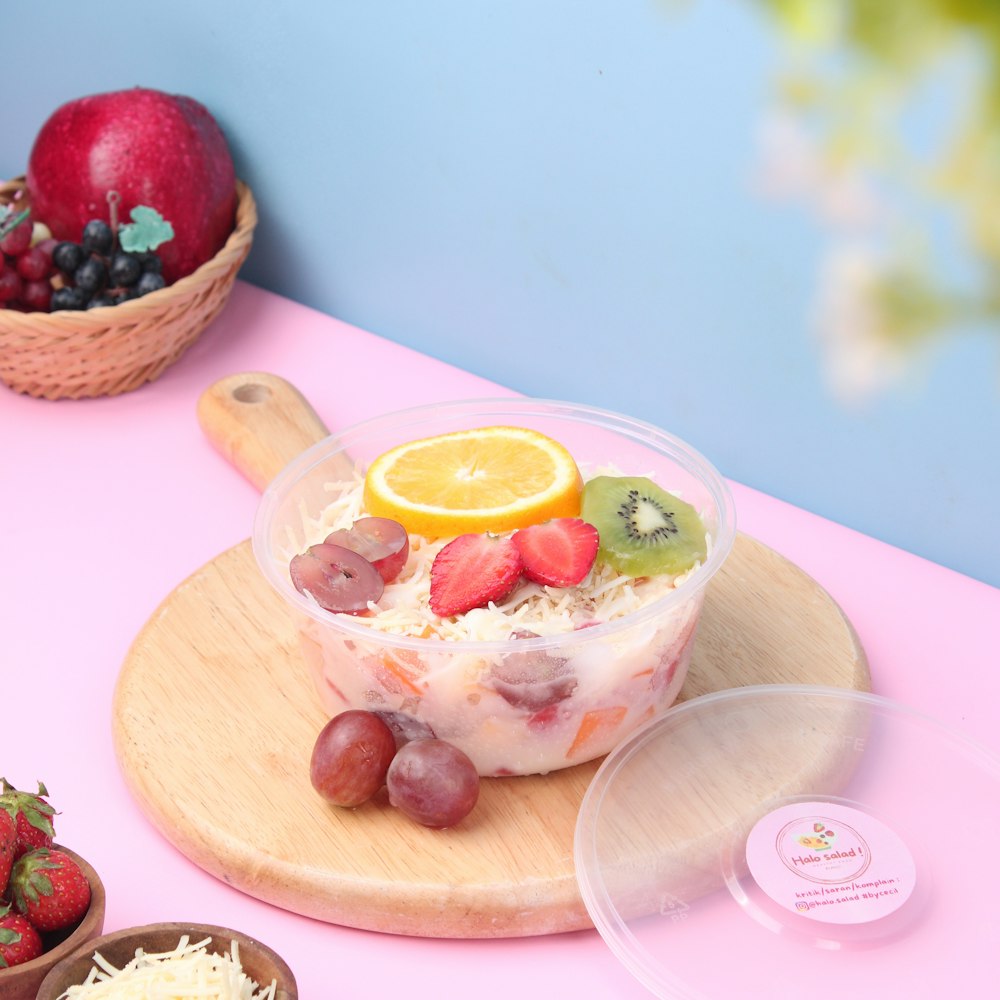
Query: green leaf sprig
[[147, 230]]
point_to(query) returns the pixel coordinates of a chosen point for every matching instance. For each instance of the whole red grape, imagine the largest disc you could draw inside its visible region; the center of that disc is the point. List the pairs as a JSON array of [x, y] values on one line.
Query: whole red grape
[[10, 285], [433, 782], [350, 757], [18, 239], [36, 295]]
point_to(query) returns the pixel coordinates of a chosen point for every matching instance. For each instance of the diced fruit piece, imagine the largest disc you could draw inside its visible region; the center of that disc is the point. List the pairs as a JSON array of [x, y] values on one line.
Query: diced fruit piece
[[32, 816], [350, 758], [485, 479], [471, 571], [382, 541], [399, 671], [644, 530], [532, 680], [336, 578], [19, 941], [596, 728], [557, 553], [50, 889], [433, 782]]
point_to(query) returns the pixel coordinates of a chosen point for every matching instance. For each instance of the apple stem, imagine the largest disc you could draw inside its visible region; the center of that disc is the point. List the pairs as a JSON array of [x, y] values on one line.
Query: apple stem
[[113, 198]]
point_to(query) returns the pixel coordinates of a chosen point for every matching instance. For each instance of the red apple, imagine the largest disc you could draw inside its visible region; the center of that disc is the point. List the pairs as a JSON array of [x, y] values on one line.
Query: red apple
[[161, 150]]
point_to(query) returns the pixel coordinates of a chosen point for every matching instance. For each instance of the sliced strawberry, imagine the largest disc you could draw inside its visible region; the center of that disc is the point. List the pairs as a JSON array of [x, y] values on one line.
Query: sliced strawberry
[[471, 571], [557, 553]]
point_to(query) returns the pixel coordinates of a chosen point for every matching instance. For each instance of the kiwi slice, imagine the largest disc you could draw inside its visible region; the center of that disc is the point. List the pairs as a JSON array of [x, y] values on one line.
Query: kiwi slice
[[644, 529]]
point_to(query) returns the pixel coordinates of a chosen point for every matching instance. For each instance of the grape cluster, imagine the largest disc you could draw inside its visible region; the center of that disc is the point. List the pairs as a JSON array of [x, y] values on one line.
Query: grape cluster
[[428, 779], [41, 274], [25, 268], [96, 272]]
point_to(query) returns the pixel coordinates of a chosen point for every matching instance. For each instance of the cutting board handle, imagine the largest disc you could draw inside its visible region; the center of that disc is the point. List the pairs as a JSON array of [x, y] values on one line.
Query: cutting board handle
[[259, 422]]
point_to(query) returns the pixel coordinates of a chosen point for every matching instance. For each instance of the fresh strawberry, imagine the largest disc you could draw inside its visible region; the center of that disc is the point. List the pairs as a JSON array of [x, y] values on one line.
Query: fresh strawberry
[[32, 817], [472, 570], [50, 889], [8, 841], [557, 553], [19, 941]]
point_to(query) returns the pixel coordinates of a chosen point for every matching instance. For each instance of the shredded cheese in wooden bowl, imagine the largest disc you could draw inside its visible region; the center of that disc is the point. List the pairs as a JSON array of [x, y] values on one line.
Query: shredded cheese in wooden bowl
[[189, 971]]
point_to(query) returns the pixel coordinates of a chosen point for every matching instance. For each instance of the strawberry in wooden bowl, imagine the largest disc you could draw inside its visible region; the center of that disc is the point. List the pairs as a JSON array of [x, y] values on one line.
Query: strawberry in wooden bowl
[[51, 899]]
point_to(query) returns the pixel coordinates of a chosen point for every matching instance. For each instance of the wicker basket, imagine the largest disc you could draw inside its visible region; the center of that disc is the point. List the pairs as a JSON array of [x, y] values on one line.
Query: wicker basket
[[114, 349]]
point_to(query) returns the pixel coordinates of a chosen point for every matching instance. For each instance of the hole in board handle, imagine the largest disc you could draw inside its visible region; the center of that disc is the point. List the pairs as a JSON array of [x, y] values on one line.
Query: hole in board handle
[[251, 392]]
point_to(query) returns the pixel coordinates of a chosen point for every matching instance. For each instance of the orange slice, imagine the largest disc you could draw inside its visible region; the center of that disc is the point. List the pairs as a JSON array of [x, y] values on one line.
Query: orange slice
[[485, 479]]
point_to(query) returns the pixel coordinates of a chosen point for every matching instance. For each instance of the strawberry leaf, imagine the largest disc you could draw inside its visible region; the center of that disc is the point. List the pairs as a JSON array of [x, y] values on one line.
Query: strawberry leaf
[[147, 230]]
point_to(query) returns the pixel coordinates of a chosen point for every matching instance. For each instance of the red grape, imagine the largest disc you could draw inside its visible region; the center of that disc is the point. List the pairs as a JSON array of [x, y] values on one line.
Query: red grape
[[350, 758], [382, 541], [10, 285], [18, 239], [36, 295], [405, 727], [532, 680], [433, 782], [338, 579], [33, 264]]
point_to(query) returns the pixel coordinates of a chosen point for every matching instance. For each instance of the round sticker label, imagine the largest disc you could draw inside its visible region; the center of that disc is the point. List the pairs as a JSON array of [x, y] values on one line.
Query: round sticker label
[[830, 862]]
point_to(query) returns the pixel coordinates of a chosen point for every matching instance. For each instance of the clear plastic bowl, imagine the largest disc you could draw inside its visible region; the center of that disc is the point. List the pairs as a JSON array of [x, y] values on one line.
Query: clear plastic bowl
[[612, 677]]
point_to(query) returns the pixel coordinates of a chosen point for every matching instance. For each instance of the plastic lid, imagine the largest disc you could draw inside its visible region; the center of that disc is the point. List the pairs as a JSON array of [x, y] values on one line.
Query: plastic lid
[[791, 841]]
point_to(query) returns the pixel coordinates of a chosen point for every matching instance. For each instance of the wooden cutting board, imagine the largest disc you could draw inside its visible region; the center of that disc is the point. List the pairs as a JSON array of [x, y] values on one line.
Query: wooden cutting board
[[214, 720]]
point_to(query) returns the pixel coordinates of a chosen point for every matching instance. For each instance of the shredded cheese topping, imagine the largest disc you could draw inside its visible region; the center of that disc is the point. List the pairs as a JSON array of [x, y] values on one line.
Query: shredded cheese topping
[[404, 608], [189, 971]]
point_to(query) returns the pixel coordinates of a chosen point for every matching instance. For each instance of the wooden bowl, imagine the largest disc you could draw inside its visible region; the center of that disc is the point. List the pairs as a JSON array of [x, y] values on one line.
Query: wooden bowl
[[259, 962], [21, 982]]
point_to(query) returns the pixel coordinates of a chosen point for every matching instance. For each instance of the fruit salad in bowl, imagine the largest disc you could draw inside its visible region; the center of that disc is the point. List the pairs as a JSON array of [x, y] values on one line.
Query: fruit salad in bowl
[[520, 578]]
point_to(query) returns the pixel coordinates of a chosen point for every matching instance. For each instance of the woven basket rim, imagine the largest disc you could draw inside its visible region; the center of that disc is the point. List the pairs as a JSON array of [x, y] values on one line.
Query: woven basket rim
[[76, 320]]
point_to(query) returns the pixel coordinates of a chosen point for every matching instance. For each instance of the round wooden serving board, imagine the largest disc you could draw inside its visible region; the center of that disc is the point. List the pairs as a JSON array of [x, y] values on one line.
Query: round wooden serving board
[[215, 717]]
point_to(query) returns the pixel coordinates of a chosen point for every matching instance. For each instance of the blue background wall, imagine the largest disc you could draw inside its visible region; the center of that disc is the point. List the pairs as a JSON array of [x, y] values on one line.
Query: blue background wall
[[563, 196]]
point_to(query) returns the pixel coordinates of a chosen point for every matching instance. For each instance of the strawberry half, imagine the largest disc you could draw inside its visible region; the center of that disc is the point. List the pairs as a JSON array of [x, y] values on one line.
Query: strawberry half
[[19, 941], [471, 571], [32, 817], [557, 553], [50, 889]]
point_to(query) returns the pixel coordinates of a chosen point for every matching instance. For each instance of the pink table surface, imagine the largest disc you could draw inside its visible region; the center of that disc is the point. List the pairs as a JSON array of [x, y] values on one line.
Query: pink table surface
[[108, 504]]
